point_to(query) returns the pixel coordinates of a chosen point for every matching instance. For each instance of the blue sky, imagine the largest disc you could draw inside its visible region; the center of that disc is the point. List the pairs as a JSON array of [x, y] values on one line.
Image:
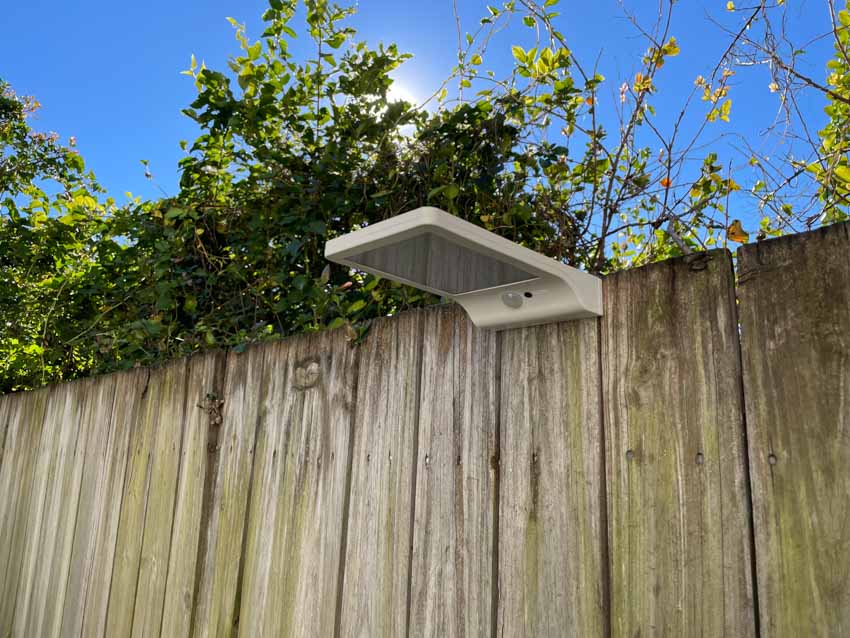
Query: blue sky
[[109, 72]]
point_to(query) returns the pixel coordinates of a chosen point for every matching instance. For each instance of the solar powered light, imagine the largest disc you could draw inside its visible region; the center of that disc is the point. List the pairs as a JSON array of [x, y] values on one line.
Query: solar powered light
[[500, 284]]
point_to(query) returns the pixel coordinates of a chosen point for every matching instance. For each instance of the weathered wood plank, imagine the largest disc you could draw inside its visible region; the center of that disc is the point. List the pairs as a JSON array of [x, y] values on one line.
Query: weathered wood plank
[[453, 536], [551, 515], [162, 489], [216, 606], [202, 420], [43, 478], [128, 543], [13, 482], [19, 489], [795, 313], [377, 559], [680, 536], [67, 603], [8, 406], [300, 486], [125, 415], [51, 538]]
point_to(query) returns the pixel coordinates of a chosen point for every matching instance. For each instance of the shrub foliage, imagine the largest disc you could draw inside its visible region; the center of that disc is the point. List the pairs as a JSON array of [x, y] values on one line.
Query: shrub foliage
[[293, 151]]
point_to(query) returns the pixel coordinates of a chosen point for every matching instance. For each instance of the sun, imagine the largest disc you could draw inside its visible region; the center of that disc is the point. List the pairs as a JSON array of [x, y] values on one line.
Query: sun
[[398, 91]]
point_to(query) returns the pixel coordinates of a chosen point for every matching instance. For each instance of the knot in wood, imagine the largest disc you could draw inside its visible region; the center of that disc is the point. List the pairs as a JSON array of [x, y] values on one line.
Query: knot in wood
[[307, 374]]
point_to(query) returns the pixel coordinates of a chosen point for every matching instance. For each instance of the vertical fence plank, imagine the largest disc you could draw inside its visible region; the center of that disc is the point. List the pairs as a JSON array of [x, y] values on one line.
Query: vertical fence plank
[[35, 506], [551, 516], [159, 511], [82, 422], [795, 313], [126, 407], [377, 561], [6, 410], [95, 459], [128, 543], [300, 483], [18, 483], [216, 607], [453, 534], [204, 392], [50, 539], [680, 538]]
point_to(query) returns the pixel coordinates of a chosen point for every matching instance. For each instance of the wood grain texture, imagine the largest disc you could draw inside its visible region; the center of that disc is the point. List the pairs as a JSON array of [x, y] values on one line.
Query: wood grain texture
[[49, 540], [680, 538], [130, 387], [8, 407], [18, 492], [80, 419], [216, 611], [453, 535], [377, 559], [551, 514], [134, 501], [300, 486], [165, 453], [204, 392], [795, 312], [96, 458]]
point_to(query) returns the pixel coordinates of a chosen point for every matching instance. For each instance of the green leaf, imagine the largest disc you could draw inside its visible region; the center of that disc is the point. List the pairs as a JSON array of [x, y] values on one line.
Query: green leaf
[[436, 191], [337, 322], [842, 172]]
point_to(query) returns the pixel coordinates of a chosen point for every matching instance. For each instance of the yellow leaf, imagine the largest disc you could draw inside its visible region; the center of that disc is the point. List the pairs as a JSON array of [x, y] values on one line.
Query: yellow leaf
[[671, 48], [730, 6], [736, 232], [725, 108], [773, 86], [642, 83]]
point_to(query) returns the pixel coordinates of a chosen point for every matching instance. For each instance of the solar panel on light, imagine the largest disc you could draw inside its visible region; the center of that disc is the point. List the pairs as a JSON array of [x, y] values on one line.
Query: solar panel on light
[[500, 284]]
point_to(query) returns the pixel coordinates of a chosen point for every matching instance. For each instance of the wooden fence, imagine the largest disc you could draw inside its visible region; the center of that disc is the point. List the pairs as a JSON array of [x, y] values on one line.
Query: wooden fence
[[679, 467]]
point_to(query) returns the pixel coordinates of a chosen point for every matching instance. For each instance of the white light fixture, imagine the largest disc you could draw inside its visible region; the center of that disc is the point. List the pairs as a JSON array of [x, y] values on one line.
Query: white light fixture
[[500, 284]]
